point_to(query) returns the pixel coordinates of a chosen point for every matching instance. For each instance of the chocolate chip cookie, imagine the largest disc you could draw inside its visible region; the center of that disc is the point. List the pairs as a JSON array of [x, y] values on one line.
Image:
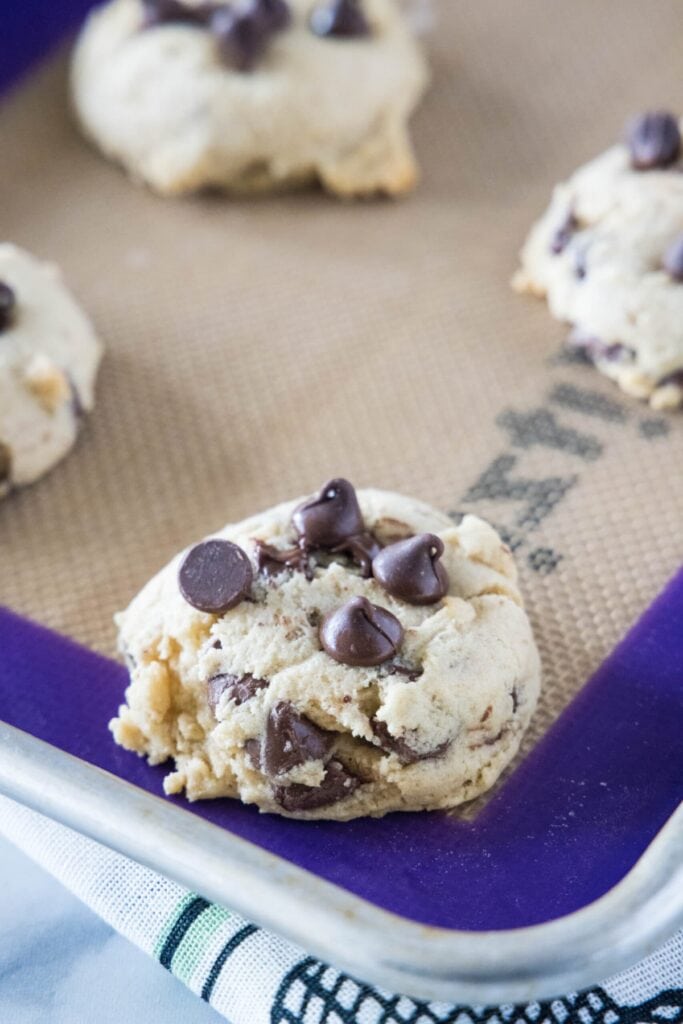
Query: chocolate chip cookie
[[608, 256], [349, 654], [251, 95], [49, 355]]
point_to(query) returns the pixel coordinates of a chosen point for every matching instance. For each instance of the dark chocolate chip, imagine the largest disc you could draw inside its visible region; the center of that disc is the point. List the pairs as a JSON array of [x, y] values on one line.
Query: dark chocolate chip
[[411, 570], [241, 35], [673, 259], [5, 463], [672, 378], [217, 645], [399, 746], [360, 633], [8, 302], [166, 12], [291, 739], [339, 18], [337, 784], [581, 261], [215, 576], [271, 560], [411, 674], [597, 350], [252, 749], [654, 140], [330, 518], [273, 14], [239, 688], [563, 233], [361, 549]]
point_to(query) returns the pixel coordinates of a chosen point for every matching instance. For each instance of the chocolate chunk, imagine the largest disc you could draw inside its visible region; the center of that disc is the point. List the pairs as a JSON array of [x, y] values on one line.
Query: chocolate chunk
[[330, 518], [5, 463], [673, 259], [291, 739], [337, 784], [215, 576], [241, 35], [340, 18], [360, 633], [654, 140], [399, 746], [8, 302], [564, 232], [271, 560], [239, 688], [361, 549], [411, 569]]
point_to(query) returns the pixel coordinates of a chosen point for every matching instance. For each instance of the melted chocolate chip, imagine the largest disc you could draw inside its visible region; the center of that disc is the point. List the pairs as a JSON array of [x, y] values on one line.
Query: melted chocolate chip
[[399, 746], [291, 739], [360, 633], [5, 463], [8, 302], [215, 576], [673, 259], [362, 549], [563, 235], [330, 518], [241, 35], [239, 688], [411, 570], [337, 784], [271, 560], [340, 18], [654, 140]]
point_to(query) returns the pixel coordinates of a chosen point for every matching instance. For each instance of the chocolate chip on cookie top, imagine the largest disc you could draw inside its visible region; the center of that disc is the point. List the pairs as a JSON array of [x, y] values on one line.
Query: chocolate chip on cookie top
[[673, 259], [411, 569], [330, 518], [242, 30], [338, 783], [340, 18], [8, 302], [291, 740], [654, 140], [239, 688], [241, 35], [360, 633], [215, 576]]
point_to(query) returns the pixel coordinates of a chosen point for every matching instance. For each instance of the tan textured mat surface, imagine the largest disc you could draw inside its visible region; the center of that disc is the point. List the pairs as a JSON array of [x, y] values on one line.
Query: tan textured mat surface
[[257, 348]]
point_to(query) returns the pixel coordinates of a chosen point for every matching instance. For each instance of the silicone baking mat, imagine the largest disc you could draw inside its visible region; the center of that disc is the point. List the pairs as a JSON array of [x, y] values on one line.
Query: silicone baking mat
[[257, 348]]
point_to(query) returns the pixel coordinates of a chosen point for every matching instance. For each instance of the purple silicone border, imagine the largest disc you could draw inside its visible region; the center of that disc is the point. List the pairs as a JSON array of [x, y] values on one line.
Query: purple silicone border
[[566, 827], [30, 28]]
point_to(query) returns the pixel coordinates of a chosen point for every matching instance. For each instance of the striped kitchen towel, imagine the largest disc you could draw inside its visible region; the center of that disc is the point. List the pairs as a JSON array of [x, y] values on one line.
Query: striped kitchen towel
[[252, 977]]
